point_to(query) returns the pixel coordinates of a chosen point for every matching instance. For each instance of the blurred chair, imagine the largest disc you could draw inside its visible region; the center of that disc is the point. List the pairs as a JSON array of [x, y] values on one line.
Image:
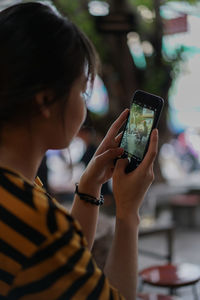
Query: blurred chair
[[159, 228], [172, 277], [184, 209]]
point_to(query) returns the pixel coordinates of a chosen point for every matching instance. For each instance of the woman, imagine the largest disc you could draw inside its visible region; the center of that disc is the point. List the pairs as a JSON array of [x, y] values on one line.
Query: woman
[[45, 64]]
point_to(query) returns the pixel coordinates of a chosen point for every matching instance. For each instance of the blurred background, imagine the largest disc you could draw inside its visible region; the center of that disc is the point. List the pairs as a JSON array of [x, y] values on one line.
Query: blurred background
[[153, 45]]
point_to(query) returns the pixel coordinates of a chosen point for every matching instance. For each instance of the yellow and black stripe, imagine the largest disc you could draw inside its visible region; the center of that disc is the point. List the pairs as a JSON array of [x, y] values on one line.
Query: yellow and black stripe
[[43, 253]]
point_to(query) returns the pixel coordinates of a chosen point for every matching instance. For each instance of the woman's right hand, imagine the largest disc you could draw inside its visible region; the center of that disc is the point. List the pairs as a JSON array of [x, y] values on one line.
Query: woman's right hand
[[130, 188]]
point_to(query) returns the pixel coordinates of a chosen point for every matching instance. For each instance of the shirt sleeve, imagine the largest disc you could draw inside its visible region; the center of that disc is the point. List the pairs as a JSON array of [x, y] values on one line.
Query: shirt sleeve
[[62, 268]]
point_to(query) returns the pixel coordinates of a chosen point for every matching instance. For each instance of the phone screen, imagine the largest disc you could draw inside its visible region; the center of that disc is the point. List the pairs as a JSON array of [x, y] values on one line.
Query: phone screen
[[137, 131]]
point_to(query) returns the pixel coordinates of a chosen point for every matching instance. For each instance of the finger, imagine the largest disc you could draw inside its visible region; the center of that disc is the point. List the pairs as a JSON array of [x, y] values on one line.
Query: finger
[[117, 140], [118, 137], [152, 151], [109, 156], [115, 127], [112, 132], [121, 165]]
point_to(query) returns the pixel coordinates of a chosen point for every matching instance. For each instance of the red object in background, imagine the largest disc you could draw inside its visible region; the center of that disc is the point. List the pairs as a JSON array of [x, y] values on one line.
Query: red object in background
[[185, 200], [177, 25], [172, 276]]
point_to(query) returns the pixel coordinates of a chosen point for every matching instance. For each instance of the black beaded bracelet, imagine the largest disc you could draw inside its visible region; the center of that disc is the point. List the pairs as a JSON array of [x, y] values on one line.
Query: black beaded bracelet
[[89, 198]]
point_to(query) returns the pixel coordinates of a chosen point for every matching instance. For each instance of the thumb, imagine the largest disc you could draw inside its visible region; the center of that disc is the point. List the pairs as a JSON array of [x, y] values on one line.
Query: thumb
[[121, 165], [152, 151]]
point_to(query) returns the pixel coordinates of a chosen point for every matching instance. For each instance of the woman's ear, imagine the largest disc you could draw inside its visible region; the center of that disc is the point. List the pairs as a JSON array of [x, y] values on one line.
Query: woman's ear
[[42, 101]]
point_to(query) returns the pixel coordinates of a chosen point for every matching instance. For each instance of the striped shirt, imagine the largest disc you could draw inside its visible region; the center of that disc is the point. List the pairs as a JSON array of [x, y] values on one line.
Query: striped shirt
[[43, 253]]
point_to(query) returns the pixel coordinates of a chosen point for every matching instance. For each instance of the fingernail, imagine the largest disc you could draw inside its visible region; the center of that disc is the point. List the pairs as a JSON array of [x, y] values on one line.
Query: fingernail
[[125, 110], [155, 132]]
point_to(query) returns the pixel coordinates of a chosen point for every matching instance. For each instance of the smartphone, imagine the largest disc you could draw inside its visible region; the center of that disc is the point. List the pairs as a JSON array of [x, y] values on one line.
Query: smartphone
[[143, 117]]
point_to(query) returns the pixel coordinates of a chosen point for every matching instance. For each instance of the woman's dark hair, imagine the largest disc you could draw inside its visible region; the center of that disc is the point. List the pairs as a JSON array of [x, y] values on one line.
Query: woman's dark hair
[[39, 50]]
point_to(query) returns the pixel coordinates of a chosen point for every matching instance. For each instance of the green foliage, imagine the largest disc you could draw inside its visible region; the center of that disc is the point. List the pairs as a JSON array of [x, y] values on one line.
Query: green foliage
[[155, 76], [146, 3], [158, 75], [78, 13]]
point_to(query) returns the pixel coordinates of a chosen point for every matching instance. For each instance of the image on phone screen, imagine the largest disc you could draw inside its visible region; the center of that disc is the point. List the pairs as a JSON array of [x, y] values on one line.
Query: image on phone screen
[[137, 131]]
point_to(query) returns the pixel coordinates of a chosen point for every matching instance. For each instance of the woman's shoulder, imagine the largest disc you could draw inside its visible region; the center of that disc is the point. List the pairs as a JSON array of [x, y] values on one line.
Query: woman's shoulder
[[32, 204]]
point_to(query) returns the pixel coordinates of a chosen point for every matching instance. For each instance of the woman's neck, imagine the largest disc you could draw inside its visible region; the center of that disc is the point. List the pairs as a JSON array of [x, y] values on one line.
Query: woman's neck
[[20, 152]]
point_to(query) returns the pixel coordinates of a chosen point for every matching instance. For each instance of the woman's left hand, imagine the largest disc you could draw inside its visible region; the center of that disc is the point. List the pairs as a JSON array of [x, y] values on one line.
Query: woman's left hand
[[101, 166]]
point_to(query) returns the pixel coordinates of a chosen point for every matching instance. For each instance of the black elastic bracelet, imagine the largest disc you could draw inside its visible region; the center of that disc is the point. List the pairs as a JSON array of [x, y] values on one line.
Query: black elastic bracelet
[[89, 198]]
